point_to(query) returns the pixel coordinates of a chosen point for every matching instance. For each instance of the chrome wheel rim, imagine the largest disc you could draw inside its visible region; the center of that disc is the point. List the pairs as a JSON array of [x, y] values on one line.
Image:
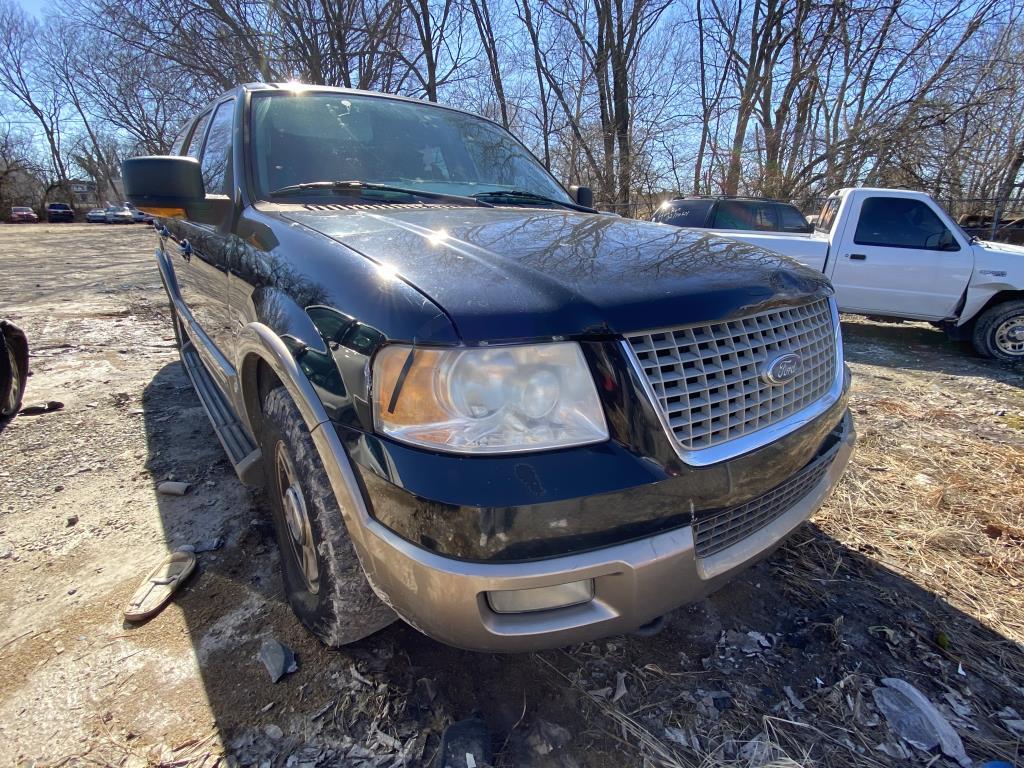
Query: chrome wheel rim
[[296, 517], [14, 392], [1010, 336]]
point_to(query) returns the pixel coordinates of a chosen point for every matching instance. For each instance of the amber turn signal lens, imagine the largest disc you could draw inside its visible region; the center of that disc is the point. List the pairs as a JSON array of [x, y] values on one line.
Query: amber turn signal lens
[[163, 213]]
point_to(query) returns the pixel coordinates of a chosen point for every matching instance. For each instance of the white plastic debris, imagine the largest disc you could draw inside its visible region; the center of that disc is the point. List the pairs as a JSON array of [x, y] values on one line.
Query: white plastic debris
[[173, 488], [916, 720]]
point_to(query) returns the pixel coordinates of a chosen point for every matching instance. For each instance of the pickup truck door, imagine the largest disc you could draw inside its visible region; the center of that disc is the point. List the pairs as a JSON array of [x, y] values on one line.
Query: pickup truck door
[[900, 255], [198, 251]]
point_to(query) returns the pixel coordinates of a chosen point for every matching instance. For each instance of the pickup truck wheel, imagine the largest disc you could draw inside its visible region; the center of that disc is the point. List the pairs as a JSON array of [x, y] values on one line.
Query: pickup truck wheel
[[323, 579], [999, 332]]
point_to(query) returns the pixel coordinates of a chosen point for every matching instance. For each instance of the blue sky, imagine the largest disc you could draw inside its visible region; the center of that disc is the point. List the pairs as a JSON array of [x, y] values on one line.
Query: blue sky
[[33, 6]]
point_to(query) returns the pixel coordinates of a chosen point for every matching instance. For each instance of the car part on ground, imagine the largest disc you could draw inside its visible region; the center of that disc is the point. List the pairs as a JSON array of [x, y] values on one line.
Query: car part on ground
[[159, 586], [13, 368]]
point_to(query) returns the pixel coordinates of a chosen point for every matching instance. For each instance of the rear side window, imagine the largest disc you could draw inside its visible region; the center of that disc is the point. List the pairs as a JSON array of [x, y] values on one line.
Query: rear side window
[[217, 151], [790, 219], [196, 142], [899, 222], [745, 214], [684, 213], [828, 215]]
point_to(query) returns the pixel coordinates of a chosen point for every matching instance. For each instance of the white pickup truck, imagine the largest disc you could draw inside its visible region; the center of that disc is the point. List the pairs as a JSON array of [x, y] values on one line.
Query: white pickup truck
[[896, 254]]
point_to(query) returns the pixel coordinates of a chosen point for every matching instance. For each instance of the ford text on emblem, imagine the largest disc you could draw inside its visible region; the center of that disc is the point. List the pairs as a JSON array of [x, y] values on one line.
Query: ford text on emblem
[[782, 370]]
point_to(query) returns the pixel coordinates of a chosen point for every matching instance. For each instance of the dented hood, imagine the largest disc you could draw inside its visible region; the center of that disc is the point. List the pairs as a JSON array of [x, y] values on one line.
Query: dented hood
[[516, 273]]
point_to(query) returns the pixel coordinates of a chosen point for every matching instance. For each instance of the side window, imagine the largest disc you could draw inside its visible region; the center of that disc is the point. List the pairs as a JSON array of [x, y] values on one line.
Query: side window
[[217, 150], [684, 213], [745, 214], [196, 142], [899, 222], [790, 219], [828, 215]]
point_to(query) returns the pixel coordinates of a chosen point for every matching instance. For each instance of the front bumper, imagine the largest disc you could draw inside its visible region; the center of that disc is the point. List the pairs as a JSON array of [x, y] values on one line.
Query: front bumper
[[634, 582]]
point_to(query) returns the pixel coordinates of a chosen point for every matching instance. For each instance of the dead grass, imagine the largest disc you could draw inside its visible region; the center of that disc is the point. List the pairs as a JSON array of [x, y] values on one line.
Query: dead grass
[[935, 495]]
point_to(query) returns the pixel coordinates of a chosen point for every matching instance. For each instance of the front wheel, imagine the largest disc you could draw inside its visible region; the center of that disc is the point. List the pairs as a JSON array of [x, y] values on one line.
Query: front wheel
[[323, 579], [999, 332]]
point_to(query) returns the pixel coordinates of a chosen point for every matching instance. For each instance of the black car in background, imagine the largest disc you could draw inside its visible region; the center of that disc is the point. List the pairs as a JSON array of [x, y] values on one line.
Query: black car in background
[[57, 212], [473, 400], [737, 213]]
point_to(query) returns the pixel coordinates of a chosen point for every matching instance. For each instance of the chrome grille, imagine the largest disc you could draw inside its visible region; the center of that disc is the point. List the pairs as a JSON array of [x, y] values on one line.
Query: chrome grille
[[707, 379], [723, 529]]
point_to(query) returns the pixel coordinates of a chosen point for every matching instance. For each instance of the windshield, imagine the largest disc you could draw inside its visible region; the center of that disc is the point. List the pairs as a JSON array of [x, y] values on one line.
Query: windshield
[[301, 137], [18, 209]]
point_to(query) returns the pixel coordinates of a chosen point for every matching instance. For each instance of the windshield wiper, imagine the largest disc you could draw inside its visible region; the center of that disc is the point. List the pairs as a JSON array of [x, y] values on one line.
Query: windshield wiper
[[356, 186], [511, 193]]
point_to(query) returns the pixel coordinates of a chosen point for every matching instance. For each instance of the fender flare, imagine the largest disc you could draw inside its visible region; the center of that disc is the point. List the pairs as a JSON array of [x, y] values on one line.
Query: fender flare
[[257, 342]]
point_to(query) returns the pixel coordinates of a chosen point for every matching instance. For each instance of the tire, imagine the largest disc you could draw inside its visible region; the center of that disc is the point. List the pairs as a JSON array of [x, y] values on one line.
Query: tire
[[999, 332], [323, 578], [12, 378]]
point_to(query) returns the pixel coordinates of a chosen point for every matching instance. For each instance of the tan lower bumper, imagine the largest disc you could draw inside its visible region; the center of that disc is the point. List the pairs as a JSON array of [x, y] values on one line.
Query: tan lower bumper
[[634, 583]]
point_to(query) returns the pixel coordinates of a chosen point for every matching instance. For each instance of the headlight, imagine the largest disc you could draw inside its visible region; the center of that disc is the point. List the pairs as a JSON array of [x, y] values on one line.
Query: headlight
[[487, 400]]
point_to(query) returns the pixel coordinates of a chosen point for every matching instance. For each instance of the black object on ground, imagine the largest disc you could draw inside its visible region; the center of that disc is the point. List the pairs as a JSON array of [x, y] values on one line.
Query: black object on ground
[[465, 744], [278, 659]]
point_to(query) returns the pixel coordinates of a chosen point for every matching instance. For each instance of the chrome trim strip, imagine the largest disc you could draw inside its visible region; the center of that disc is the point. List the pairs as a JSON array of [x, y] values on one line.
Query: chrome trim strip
[[705, 457]]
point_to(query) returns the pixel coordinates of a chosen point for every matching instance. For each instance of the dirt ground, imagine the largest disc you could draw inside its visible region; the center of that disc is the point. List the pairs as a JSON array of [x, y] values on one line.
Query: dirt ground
[[914, 571]]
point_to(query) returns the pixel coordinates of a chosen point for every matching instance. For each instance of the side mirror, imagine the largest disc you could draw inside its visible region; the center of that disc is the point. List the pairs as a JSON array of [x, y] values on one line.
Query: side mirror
[[582, 195], [171, 186]]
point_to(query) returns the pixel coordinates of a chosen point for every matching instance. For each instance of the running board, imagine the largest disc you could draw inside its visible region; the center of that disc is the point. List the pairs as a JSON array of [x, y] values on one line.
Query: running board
[[244, 455]]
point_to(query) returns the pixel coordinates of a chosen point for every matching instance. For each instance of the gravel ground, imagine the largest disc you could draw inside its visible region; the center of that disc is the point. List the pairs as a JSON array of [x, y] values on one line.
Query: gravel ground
[[783, 665]]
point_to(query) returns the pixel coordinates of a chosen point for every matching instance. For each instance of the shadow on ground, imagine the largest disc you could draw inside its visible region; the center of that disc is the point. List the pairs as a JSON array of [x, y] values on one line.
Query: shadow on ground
[[922, 347], [834, 623]]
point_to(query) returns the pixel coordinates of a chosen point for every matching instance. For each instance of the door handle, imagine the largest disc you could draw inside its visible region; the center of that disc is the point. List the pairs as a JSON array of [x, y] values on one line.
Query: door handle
[[857, 257], [186, 250]]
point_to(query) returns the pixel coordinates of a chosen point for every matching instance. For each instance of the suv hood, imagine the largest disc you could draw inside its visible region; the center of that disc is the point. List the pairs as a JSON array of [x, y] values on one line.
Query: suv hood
[[514, 273]]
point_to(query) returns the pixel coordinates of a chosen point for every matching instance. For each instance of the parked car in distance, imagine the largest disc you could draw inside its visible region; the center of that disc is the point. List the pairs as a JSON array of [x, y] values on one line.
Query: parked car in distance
[[980, 226], [13, 368], [96, 216], [58, 212], [896, 253], [732, 213], [140, 217], [21, 214], [117, 214], [473, 400]]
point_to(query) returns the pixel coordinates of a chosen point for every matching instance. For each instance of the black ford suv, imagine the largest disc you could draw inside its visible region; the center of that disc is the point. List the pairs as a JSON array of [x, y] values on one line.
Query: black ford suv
[[474, 401], [737, 213]]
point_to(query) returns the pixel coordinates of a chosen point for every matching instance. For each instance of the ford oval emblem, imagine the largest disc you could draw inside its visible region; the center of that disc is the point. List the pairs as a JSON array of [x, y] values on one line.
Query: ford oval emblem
[[783, 369]]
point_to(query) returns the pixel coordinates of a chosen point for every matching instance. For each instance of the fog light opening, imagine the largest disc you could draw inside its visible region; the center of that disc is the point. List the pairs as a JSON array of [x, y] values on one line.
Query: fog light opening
[[541, 598]]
